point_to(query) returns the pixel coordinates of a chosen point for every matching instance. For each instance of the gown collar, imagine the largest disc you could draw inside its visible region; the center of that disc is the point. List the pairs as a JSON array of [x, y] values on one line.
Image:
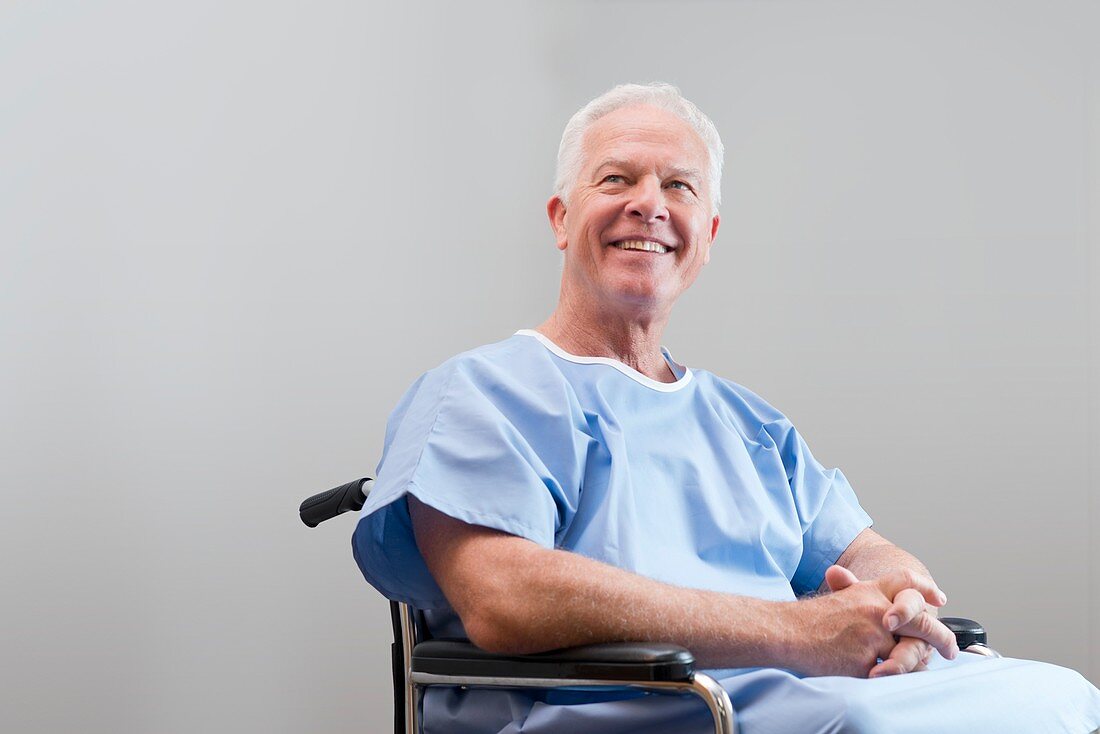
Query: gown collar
[[683, 374]]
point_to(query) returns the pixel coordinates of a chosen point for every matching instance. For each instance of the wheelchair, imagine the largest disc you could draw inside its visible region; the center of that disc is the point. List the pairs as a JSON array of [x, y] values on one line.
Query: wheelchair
[[419, 661]]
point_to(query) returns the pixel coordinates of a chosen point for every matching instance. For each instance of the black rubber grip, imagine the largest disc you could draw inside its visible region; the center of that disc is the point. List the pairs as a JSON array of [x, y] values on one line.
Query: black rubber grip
[[327, 505]]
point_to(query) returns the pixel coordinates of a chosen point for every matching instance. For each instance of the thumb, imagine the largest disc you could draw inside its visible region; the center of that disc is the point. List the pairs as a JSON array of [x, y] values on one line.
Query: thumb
[[838, 577]]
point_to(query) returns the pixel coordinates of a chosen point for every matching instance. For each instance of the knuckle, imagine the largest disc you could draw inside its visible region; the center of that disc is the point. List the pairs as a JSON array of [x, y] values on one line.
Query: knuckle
[[866, 638], [873, 641], [872, 609], [912, 602]]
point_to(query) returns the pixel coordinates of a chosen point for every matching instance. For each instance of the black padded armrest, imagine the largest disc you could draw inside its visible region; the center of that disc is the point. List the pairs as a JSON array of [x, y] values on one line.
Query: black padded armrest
[[628, 661], [967, 631]]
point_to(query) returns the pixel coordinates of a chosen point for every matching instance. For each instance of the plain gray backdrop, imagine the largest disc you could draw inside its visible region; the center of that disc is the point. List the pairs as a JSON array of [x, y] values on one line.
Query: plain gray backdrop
[[233, 234]]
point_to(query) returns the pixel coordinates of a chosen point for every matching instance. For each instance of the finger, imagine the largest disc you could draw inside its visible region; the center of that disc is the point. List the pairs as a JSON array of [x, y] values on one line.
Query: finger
[[923, 664], [907, 605], [838, 577], [904, 578], [924, 661], [926, 627], [904, 658]]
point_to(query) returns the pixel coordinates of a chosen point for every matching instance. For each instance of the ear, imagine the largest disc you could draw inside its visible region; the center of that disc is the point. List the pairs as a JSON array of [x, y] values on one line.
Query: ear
[[555, 210], [713, 234]]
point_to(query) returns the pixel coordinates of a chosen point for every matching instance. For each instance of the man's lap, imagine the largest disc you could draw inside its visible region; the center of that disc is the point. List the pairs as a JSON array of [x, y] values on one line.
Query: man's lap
[[970, 694]]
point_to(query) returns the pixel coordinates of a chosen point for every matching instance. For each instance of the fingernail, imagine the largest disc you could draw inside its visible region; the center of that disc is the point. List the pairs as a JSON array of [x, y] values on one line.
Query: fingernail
[[943, 598], [892, 622]]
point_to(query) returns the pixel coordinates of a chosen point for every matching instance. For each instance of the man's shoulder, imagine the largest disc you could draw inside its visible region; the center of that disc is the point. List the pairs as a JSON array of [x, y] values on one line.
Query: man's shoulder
[[512, 355], [482, 389], [736, 396], [515, 364]]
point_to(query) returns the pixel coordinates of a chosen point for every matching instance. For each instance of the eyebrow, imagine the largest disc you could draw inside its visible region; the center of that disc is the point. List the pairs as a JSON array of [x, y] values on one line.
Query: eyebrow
[[675, 171]]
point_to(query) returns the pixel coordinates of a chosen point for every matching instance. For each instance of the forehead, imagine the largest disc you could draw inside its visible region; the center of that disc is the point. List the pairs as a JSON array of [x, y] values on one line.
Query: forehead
[[648, 136]]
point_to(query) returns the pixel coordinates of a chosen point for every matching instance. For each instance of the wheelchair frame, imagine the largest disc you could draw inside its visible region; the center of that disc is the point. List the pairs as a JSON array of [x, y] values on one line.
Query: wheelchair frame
[[419, 662], [591, 666]]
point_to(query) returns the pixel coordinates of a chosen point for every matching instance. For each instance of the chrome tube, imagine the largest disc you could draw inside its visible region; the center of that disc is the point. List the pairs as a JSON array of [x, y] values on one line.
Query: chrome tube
[[703, 686], [718, 701], [978, 648], [412, 690]]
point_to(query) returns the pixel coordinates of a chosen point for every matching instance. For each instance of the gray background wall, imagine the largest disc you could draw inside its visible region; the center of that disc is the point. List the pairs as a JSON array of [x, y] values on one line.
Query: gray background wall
[[233, 233]]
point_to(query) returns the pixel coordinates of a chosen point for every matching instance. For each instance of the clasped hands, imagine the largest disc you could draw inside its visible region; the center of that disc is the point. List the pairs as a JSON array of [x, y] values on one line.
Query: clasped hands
[[890, 618]]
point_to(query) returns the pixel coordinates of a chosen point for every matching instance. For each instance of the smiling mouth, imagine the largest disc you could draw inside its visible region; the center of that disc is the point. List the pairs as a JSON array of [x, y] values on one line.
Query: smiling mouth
[[643, 245]]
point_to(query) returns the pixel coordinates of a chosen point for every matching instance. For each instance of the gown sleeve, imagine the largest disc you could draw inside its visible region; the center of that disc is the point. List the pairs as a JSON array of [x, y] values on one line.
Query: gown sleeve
[[828, 511], [475, 443]]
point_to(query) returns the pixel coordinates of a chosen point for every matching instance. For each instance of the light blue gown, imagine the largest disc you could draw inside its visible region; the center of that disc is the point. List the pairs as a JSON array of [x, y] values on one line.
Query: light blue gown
[[697, 483]]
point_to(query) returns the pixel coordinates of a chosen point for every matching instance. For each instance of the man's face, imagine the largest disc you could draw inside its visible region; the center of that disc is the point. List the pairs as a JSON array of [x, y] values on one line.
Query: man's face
[[642, 184]]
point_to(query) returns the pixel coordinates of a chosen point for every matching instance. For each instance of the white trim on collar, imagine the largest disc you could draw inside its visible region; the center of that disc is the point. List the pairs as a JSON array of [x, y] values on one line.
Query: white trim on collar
[[627, 370]]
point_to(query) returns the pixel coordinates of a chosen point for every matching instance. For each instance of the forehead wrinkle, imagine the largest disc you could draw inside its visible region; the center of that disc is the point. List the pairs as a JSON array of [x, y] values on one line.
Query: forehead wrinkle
[[694, 173], [614, 162]]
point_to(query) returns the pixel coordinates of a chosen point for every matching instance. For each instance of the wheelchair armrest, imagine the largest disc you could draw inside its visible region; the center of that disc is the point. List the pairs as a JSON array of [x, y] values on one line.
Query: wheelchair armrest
[[967, 631], [620, 661], [629, 661]]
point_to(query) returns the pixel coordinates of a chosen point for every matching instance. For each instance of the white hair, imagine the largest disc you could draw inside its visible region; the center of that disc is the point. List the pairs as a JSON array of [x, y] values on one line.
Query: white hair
[[656, 94]]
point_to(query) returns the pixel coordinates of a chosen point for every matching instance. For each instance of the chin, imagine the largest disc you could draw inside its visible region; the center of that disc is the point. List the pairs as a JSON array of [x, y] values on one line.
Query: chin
[[641, 301]]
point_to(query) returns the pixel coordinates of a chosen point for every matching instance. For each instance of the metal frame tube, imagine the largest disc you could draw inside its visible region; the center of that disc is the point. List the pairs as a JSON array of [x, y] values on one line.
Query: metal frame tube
[[718, 701], [409, 638], [978, 648], [701, 685]]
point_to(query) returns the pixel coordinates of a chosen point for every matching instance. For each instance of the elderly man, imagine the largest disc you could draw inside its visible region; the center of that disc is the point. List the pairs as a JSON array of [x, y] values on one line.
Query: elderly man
[[574, 484]]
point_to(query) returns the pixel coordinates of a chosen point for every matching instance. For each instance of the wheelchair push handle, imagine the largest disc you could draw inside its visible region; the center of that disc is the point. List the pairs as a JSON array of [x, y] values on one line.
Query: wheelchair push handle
[[326, 505]]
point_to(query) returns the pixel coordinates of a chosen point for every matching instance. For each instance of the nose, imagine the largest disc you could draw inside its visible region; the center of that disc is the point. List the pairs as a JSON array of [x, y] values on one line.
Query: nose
[[647, 201]]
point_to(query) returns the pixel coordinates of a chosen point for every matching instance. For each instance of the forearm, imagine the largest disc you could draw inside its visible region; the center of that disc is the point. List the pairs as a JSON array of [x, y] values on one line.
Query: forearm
[[871, 556], [546, 599], [541, 599], [514, 596], [881, 558]]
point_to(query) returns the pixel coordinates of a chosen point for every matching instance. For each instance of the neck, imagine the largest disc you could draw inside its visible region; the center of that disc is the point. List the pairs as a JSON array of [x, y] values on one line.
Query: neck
[[634, 342]]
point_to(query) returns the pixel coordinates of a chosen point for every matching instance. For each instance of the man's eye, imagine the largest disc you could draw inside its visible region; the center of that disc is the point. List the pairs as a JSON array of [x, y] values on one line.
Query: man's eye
[[613, 178], [680, 185]]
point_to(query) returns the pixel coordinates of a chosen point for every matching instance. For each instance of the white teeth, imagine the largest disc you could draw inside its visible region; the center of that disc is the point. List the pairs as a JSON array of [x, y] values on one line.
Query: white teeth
[[642, 245]]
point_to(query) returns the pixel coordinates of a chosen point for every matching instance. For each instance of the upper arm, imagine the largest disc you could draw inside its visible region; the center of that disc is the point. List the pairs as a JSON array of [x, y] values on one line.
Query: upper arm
[[470, 441], [868, 538], [476, 567], [870, 556]]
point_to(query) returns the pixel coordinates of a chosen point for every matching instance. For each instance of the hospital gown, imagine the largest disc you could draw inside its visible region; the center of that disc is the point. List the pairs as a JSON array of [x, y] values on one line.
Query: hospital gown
[[697, 483]]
